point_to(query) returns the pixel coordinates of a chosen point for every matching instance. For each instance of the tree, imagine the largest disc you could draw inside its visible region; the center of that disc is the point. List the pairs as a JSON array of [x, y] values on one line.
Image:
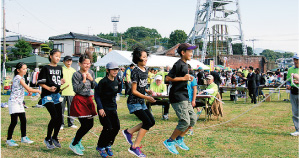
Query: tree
[[45, 48], [140, 33], [164, 42], [271, 55], [288, 55], [238, 50], [177, 36], [22, 50]]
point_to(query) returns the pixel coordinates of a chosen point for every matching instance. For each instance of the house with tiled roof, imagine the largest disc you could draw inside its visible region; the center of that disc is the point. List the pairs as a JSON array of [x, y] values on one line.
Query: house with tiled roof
[[75, 44], [12, 40]]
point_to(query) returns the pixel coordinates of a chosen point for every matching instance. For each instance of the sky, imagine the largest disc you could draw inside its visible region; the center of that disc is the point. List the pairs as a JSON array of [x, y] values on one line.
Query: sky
[[273, 23]]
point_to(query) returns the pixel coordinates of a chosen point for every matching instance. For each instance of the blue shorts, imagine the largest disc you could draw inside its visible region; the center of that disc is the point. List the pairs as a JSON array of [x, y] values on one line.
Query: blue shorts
[[134, 107], [54, 98]]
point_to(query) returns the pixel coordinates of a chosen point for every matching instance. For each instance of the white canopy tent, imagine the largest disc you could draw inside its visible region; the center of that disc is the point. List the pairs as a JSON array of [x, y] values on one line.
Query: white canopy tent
[[125, 58], [120, 57]]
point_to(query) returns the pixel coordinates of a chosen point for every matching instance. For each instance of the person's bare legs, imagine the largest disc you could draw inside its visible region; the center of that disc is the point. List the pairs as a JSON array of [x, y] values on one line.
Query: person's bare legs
[[139, 137], [135, 128], [175, 134], [183, 133]]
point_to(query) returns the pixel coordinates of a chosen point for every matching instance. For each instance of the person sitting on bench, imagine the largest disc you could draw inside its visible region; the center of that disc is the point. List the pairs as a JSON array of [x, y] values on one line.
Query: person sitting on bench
[[159, 89]]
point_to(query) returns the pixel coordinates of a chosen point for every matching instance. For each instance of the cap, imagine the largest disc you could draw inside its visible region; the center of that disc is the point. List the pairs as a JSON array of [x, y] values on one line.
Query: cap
[[67, 58], [112, 65], [296, 56], [210, 77], [186, 46], [158, 77]]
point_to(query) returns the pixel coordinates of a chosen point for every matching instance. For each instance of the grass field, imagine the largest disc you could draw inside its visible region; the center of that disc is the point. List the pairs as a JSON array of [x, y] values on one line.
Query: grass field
[[262, 132]]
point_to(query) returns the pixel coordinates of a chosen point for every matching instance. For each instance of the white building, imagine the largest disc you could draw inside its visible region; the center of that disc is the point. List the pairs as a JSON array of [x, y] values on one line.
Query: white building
[[75, 44]]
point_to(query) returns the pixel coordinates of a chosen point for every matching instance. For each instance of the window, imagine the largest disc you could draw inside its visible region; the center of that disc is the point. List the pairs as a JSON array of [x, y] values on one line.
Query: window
[[97, 49], [60, 47]]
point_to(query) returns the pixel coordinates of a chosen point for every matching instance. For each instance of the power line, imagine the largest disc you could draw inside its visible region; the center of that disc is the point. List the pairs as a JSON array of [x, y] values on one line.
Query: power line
[[26, 35], [36, 17]]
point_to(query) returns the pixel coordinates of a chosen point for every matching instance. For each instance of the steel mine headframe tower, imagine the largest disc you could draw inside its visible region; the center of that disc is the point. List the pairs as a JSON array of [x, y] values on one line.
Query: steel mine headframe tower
[[213, 19], [115, 20]]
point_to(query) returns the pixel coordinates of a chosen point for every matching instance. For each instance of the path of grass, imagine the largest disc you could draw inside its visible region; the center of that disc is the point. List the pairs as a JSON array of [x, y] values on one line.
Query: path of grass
[[262, 132]]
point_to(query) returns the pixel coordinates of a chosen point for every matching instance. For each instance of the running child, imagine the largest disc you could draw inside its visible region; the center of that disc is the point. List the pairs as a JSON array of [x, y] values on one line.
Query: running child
[[179, 99], [50, 79], [82, 105], [105, 96], [136, 104], [15, 104]]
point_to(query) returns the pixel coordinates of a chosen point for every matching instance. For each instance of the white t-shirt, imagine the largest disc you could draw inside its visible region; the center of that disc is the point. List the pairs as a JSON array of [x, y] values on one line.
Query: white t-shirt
[[15, 102]]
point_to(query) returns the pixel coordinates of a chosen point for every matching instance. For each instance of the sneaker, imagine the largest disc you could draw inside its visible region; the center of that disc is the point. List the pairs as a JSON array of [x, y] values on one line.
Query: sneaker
[[137, 152], [109, 151], [81, 146], [56, 143], [25, 106], [295, 133], [49, 144], [73, 126], [61, 127], [181, 144], [190, 132], [170, 146], [11, 143], [165, 117], [76, 149], [26, 140], [39, 106], [128, 136], [102, 152]]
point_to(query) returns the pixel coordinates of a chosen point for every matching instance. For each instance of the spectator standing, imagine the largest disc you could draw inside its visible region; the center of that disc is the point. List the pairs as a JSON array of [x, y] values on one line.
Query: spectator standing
[[128, 82], [294, 93], [68, 93], [251, 79]]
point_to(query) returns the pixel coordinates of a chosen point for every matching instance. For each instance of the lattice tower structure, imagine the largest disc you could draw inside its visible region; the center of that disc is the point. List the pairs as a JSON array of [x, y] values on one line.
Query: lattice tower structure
[[217, 25], [115, 20]]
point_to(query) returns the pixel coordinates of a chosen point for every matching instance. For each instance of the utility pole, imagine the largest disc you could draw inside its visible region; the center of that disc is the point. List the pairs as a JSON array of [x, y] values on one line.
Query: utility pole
[[121, 43], [88, 29], [4, 43], [252, 40], [18, 27]]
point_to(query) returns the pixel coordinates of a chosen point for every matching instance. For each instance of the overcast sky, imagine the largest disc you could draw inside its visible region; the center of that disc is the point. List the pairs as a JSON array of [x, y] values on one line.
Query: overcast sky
[[274, 23]]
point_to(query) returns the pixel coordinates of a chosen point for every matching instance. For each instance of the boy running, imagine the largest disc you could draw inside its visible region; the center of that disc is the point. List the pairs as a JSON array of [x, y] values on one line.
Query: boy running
[[178, 97]]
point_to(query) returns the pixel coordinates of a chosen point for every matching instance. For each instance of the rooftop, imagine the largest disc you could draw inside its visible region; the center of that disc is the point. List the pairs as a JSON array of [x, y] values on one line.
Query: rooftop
[[73, 35]]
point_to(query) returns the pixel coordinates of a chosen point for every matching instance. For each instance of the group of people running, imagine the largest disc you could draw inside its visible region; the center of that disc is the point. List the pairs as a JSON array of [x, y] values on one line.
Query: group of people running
[[51, 78]]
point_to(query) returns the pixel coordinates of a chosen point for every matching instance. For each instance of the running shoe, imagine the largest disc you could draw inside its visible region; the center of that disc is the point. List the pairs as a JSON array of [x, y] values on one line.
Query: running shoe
[[180, 142], [76, 149], [165, 117], [190, 132], [170, 146], [295, 133], [11, 142], [109, 151], [80, 145], [102, 152], [56, 143], [49, 144], [137, 152], [26, 140], [128, 136]]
